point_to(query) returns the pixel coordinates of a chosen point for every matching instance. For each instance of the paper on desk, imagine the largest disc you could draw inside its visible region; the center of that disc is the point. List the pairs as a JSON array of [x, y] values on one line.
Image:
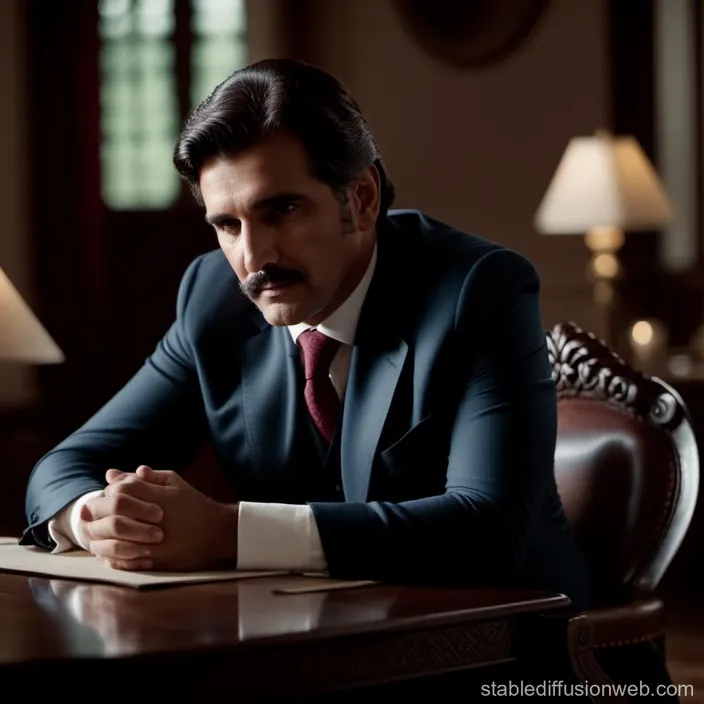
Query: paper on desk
[[82, 566]]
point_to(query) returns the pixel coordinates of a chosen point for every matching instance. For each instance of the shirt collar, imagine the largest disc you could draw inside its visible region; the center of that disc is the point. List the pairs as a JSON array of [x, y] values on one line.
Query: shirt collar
[[341, 324]]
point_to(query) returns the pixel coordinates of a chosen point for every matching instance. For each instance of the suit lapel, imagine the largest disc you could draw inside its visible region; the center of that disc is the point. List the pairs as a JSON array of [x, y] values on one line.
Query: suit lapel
[[370, 389], [375, 366]]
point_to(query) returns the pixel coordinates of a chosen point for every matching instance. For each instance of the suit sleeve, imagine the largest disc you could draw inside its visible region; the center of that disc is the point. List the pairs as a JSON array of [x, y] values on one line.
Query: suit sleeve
[[156, 419], [500, 462]]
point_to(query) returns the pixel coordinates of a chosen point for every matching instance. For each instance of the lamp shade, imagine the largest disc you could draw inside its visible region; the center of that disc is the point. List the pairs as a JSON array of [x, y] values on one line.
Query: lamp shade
[[22, 337], [603, 181]]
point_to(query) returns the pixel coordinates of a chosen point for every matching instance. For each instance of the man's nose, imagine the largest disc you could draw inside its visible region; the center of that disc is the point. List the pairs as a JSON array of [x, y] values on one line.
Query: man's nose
[[259, 248]]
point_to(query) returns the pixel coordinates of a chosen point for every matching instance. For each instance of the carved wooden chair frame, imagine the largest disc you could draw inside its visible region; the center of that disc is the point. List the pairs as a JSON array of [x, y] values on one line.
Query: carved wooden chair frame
[[584, 366]]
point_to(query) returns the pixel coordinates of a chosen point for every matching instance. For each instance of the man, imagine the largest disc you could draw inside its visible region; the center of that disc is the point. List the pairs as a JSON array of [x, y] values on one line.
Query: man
[[375, 383]]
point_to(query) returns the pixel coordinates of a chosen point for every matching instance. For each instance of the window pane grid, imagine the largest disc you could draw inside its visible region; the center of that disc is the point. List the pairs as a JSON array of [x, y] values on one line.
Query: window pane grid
[[139, 106], [219, 44], [139, 100]]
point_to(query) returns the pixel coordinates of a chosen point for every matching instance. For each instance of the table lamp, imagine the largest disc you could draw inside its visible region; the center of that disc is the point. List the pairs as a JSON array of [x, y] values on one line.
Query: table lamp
[[22, 336], [604, 186]]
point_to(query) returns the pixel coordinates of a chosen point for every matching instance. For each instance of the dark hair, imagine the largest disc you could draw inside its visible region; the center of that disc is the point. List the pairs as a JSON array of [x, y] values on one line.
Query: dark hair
[[280, 95]]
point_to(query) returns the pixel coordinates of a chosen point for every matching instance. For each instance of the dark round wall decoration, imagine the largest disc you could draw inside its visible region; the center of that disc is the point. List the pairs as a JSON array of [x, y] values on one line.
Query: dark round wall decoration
[[470, 33]]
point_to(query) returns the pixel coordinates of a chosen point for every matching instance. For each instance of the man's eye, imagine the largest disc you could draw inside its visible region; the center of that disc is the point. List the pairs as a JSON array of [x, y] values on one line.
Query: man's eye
[[229, 224], [283, 209]]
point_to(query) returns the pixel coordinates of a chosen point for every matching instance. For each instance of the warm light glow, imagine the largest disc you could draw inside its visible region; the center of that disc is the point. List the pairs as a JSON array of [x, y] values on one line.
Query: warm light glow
[[603, 181], [603, 187], [22, 336], [604, 239], [642, 332], [605, 266]]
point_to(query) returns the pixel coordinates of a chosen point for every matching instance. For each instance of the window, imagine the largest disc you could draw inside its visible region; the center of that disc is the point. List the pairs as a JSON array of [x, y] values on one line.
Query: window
[[218, 44], [139, 96]]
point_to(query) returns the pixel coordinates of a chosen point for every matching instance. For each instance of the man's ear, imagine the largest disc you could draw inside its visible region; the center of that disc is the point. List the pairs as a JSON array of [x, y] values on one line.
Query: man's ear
[[365, 198]]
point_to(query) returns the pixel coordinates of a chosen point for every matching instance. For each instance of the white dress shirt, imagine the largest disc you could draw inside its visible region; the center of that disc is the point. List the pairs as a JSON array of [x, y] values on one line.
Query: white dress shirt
[[270, 536]]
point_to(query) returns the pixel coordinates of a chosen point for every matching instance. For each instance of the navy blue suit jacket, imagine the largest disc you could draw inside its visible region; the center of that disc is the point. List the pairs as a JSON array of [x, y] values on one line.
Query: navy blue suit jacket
[[448, 431]]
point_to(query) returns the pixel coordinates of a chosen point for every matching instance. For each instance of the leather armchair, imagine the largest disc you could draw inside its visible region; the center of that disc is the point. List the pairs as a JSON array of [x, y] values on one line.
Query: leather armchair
[[627, 468]]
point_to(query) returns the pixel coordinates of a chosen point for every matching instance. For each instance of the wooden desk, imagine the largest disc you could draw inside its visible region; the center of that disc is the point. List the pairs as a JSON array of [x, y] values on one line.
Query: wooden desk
[[242, 639]]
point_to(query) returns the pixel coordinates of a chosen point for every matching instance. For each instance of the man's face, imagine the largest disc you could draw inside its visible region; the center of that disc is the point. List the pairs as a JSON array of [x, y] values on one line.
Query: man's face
[[298, 252]]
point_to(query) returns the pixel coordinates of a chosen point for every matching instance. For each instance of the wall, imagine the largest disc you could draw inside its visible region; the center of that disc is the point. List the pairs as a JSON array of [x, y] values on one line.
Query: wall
[[476, 148], [16, 381]]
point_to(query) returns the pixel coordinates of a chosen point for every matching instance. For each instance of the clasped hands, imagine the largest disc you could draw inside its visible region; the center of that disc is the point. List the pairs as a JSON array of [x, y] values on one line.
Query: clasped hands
[[155, 520]]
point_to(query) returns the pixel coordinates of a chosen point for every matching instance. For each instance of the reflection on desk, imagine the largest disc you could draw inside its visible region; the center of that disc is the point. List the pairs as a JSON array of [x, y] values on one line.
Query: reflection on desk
[[116, 614], [243, 639]]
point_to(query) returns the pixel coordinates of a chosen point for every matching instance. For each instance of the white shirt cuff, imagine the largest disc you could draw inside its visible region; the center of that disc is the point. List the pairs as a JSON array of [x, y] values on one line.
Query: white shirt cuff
[[64, 526], [278, 537]]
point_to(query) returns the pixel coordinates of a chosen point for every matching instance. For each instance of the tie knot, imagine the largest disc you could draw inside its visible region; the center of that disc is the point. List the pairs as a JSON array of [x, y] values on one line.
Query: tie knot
[[318, 352]]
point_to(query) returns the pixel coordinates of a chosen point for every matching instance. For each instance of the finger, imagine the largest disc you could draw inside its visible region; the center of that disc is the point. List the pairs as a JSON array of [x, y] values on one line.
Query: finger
[[131, 565], [86, 514], [162, 477], [85, 511], [132, 485], [121, 504], [121, 528], [119, 550], [115, 475]]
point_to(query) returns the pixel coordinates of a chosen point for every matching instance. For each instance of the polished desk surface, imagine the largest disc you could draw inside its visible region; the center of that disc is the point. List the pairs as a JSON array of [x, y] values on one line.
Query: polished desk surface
[[50, 626]]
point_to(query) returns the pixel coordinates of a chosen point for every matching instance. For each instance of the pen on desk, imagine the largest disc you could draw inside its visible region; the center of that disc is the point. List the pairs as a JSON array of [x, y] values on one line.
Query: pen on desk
[[329, 586]]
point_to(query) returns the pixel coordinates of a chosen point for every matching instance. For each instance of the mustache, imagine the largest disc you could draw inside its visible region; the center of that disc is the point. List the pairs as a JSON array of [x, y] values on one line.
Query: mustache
[[268, 276]]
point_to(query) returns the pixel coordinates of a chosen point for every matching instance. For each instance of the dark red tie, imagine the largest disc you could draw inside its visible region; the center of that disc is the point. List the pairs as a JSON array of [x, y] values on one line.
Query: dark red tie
[[321, 398]]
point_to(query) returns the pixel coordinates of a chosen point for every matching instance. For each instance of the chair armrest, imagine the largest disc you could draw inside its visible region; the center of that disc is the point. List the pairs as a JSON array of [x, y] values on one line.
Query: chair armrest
[[608, 627], [640, 621], [574, 638]]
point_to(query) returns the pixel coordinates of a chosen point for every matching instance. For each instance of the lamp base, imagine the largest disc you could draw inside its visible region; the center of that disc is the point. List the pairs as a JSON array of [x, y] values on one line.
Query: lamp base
[[604, 267], [603, 292], [605, 238]]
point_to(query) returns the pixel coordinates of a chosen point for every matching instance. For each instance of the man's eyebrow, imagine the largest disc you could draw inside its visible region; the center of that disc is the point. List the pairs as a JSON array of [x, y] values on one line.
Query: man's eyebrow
[[217, 219], [262, 204]]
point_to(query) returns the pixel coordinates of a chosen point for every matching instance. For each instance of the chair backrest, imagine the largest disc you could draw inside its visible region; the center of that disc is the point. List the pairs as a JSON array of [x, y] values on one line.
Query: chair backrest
[[626, 463]]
